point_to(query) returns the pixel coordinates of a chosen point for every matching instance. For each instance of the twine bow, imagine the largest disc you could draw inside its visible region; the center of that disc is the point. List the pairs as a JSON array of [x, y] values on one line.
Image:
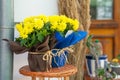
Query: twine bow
[[48, 58], [62, 51], [65, 49]]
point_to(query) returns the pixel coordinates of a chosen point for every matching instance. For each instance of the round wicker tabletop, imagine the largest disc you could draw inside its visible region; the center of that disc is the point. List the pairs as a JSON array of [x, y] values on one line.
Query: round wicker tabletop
[[64, 71]]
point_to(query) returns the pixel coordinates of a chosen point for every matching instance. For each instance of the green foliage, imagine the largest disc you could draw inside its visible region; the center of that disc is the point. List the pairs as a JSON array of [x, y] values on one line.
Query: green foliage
[[89, 41], [100, 72], [105, 73], [94, 46], [118, 57]]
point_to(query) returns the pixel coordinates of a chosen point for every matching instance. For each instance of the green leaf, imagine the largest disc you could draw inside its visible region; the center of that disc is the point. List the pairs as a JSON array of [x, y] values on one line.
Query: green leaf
[[118, 56], [45, 33], [100, 72], [40, 36], [18, 39], [33, 40], [47, 26], [23, 42], [89, 41]]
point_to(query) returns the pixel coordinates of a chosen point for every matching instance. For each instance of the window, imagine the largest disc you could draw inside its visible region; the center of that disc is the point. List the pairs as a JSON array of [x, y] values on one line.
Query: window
[[101, 9]]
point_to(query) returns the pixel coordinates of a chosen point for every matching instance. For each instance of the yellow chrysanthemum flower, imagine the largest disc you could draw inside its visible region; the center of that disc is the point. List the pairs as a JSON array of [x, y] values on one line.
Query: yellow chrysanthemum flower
[[38, 27], [29, 19], [19, 27], [63, 18], [61, 27], [75, 25], [43, 18], [28, 27], [23, 34], [54, 26], [38, 23], [53, 19], [115, 60]]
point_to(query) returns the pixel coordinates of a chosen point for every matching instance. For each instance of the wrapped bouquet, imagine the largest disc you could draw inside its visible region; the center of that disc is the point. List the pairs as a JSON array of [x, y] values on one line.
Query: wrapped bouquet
[[47, 37]]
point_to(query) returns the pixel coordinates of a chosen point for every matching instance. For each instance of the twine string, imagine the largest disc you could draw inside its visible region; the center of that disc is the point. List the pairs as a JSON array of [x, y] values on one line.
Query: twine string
[[62, 51], [47, 56]]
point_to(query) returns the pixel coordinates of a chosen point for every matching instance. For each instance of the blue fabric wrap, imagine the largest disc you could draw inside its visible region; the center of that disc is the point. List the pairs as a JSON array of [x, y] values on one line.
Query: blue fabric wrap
[[59, 61], [72, 39]]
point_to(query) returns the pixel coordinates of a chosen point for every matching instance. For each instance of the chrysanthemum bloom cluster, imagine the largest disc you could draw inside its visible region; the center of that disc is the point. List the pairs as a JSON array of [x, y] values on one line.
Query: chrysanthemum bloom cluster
[[35, 28], [115, 62]]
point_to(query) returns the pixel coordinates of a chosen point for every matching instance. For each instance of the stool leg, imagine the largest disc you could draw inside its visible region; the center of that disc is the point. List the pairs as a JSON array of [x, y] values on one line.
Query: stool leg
[[48, 78], [66, 78], [33, 78], [59, 78], [41, 78]]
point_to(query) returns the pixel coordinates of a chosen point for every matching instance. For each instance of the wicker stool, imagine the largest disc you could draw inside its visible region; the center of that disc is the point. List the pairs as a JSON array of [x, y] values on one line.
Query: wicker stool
[[64, 72]]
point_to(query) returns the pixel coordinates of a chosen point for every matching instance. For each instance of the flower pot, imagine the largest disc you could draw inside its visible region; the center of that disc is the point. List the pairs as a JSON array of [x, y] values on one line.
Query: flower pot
[[36, 62], [92, 65], [59, 60], [116, 69]]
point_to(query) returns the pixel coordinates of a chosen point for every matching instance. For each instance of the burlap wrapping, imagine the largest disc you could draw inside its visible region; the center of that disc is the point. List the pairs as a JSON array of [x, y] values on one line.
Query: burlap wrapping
[[36, 62], [48, 44], [39, 55], [16, 47], [42, 61]]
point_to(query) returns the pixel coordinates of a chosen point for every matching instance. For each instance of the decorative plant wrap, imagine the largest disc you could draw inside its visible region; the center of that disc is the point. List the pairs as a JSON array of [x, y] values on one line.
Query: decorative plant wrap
[[59, 60], [49, 43], [60, 57], [39, 61], [43, 61]]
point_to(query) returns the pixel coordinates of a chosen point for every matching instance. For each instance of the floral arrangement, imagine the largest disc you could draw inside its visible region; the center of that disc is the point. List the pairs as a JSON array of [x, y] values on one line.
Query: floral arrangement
[[34, 29], [47, 35], [41, 33]]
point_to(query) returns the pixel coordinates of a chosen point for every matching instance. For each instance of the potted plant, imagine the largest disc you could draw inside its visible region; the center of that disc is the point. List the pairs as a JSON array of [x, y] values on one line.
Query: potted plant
[[95, 59], [105, 73], [47, 40], [115, 65]]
